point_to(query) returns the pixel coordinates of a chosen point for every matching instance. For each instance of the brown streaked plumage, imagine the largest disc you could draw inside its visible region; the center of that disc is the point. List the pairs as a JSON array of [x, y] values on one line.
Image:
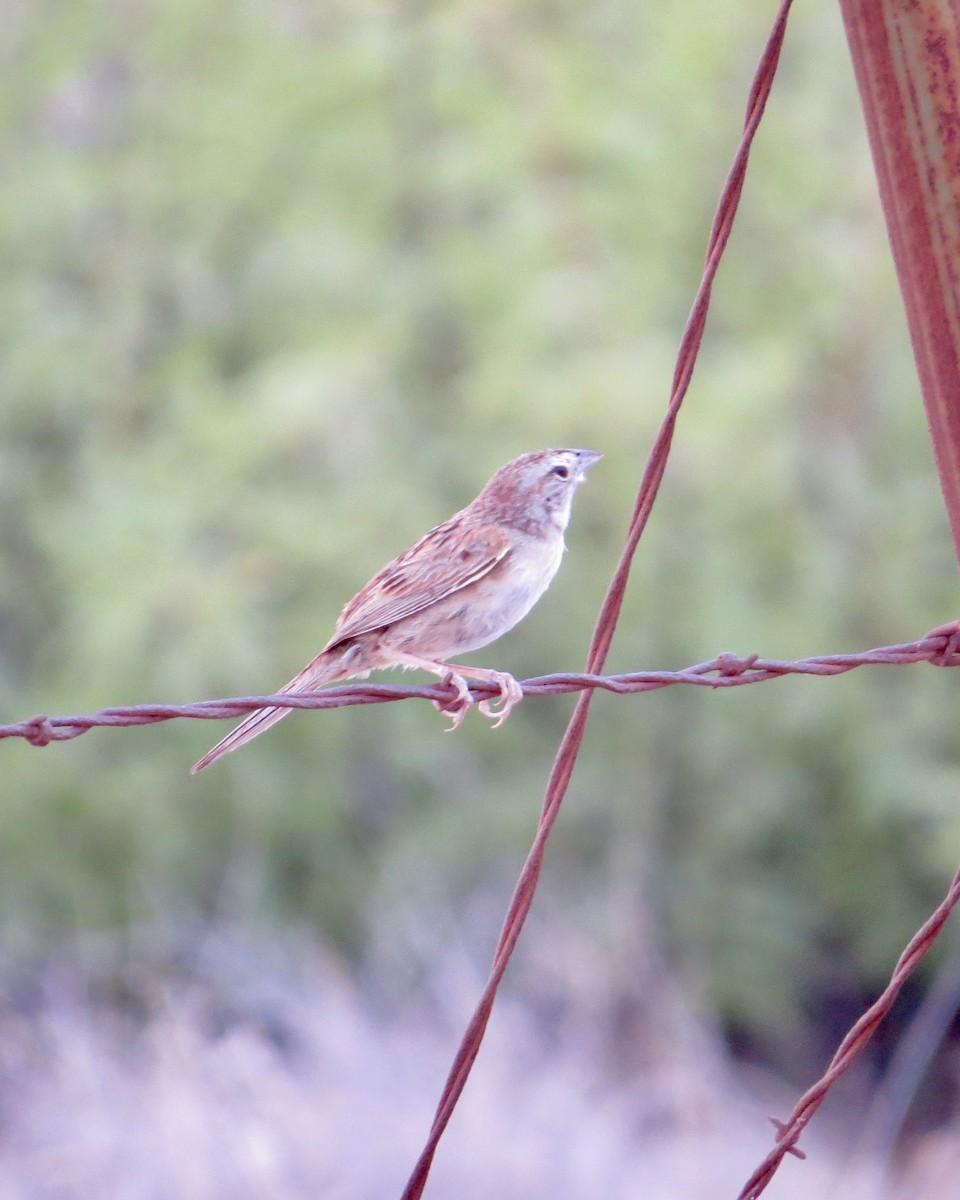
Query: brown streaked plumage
[[463, 585]]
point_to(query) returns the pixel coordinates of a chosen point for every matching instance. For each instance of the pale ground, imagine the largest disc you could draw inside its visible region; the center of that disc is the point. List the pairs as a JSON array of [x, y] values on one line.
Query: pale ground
[[249, 1088]]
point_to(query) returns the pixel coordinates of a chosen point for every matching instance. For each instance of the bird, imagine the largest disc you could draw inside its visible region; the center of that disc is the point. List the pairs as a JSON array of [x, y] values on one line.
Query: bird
[[460, 587]]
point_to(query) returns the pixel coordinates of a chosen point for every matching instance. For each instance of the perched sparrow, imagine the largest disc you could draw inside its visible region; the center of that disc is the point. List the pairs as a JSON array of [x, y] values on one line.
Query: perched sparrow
[[460, 587]]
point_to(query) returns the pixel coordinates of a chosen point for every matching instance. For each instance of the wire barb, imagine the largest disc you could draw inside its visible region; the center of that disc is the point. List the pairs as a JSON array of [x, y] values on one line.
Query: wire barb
[[950, 655], [38, 731]]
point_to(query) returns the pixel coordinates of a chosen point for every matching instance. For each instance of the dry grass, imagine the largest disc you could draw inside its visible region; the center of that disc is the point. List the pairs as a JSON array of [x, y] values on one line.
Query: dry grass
[[237, 1080]]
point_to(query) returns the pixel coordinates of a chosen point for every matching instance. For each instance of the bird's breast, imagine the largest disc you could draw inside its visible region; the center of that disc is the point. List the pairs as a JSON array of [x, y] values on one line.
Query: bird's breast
[[484, 610]]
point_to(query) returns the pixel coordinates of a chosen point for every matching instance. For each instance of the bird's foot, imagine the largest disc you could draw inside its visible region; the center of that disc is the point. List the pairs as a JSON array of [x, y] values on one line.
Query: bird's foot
[[511, 693], [458, 707]]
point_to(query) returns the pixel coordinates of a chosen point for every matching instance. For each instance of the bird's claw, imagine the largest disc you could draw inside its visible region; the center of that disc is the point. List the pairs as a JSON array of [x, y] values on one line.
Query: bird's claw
[[511, 694], [457, 707]]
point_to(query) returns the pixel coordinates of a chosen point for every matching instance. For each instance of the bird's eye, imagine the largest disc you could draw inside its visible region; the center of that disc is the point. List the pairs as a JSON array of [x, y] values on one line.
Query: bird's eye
[[561, 471]]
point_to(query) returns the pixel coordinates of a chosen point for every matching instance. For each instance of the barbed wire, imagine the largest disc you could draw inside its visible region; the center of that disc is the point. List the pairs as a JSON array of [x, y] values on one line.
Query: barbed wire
[[566, 756], [940, 646], [854, 1042]]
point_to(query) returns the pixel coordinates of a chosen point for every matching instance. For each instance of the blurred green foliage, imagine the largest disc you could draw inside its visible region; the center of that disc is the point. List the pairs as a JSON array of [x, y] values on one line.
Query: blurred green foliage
[[280, 286]]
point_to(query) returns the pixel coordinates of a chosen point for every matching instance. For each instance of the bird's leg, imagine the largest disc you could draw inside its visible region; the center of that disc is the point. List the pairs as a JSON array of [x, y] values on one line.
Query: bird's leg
[[460, 705], [510, 691]]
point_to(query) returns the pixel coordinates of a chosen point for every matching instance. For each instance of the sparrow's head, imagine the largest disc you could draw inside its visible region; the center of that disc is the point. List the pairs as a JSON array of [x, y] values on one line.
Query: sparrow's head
[[535, 491]]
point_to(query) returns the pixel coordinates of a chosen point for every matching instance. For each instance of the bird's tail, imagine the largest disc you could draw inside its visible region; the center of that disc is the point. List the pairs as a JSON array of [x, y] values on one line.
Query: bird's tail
[[328, 667]]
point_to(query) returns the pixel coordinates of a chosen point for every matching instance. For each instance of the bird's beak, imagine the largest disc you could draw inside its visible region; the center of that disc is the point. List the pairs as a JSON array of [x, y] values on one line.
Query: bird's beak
[[585, 460]]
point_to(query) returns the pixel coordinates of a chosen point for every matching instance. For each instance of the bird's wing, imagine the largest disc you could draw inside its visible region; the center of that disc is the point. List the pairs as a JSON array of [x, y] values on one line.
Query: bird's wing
[[444, 561]]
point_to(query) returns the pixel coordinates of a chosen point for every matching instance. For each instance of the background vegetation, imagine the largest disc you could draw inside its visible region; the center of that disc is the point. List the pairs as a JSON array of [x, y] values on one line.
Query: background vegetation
[[280, 286]]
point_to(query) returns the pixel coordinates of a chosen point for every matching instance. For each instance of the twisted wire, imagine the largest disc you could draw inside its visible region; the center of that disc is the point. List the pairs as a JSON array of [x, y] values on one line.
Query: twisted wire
[[941, 647]]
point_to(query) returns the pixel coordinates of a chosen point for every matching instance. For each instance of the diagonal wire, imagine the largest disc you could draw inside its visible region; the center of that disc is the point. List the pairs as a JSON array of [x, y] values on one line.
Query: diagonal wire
[[606, 624], [788, 1132]]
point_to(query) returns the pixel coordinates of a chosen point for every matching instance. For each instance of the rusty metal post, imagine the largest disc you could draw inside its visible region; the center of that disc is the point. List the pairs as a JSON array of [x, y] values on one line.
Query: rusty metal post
[[906, 55]]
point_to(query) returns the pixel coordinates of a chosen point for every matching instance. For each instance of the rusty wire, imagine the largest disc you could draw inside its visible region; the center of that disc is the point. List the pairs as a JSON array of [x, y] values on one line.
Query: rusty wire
[[570, 743], [788, 1132], [940, 646]]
